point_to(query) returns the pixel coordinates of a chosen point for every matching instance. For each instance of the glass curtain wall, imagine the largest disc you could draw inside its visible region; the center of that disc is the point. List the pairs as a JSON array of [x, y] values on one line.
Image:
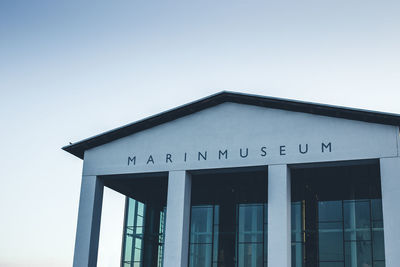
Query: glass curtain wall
[[337, 217], [143, 241], [229, 221]]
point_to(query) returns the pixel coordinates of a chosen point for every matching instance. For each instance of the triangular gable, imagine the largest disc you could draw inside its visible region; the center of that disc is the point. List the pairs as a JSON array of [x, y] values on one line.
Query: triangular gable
[[79, 148]]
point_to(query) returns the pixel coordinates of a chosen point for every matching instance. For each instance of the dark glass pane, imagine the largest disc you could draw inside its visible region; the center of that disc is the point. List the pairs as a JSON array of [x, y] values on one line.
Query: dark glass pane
[[331, 264], [329, 211], [357, 221], [378, 243], [215, 242], [376, 209], [250, 223], [363, 214], [265, 244], [266, 212], [296, 221], [201, 224], [330, 241], [358, 253], [216, 214], [379, 263], [297, 254], [377, 225], [250, 255], [200, 255]]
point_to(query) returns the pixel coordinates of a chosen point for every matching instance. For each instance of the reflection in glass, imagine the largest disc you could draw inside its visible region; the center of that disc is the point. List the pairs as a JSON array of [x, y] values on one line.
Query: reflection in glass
[[251, 235], [143, 235], [201, 236], [337, 217], [350, 233], [297, 234]]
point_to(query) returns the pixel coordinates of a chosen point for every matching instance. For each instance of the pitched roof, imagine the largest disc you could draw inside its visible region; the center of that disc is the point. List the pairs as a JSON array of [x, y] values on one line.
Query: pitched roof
[[79, 148]]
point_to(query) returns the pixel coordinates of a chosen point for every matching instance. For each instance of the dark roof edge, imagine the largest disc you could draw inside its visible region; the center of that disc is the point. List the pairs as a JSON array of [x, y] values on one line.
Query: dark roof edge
[[79, 148]]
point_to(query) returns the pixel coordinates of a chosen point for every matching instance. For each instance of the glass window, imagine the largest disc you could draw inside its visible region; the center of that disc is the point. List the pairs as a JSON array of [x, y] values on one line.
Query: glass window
[[337, 217], [329, 211], [251, 223], [358, 253], [330, 241], [251, 235], [200, 255], [202, 224], [297, 254], [141, 242], [250, 254], [357, 220], [297, 225], [203, 231], [297, 234]]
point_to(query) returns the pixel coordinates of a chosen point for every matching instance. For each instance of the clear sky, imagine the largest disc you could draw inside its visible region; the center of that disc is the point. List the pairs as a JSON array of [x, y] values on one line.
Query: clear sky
[[73, 69]]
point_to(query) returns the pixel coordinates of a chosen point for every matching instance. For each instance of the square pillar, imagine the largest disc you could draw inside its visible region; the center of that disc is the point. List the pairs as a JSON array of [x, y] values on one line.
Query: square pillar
[[178, 219], [89, 216], [279, 211], [390, 181]]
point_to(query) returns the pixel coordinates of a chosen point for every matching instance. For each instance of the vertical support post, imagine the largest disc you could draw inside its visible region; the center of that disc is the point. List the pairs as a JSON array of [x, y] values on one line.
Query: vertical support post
[[390, 181], [178, 219], [89, 216], [279, 211]]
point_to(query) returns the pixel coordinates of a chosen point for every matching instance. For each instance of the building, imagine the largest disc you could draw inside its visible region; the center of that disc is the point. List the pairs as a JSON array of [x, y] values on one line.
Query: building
[[238, 180]]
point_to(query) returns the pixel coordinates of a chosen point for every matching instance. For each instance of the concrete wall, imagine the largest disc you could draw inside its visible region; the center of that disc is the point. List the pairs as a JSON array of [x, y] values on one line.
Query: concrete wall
[[266, 136]]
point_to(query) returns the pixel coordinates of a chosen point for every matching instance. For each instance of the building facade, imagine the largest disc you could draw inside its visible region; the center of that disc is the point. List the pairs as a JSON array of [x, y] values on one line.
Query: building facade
[[237, 180]]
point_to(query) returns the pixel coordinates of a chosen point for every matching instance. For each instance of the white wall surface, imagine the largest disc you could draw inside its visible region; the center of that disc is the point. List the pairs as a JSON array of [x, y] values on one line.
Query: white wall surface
[[279, 216], [233, 127], [178, 219]]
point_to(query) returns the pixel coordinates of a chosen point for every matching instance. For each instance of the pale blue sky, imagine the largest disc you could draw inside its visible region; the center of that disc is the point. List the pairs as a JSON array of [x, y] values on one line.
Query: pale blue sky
[[70, 70]]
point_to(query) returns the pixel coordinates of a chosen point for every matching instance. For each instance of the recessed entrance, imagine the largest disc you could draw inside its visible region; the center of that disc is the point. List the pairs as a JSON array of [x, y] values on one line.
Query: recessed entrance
[[144, 223], [337, 217], [229, 220]]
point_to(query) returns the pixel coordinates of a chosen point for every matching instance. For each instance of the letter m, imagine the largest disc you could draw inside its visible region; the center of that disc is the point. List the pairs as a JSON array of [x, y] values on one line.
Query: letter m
[[133, 159], [224, 153], [329, 145]]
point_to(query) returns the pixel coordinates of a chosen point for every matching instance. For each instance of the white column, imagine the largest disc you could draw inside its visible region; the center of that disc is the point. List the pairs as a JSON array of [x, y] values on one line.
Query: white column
[[88, 229], [178, 219], [279, 230], [390, 180]]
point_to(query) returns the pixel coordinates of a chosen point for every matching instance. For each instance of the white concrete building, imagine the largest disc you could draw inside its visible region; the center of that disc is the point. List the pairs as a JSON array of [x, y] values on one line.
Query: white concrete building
[[238, 180]]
